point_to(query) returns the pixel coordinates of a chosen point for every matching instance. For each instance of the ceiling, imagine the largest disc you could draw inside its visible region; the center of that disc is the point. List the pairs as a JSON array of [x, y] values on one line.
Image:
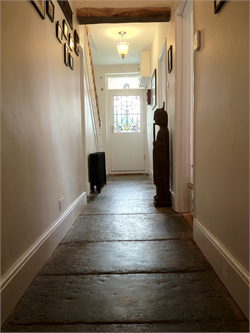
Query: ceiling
[[105, 36]]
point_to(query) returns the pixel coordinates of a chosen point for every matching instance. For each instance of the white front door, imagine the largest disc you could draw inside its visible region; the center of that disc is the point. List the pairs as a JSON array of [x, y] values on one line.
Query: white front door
[[127, 131]]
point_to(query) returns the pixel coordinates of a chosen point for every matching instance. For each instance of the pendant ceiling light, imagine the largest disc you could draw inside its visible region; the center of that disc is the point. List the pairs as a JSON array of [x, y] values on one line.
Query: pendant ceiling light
[[122, 45]]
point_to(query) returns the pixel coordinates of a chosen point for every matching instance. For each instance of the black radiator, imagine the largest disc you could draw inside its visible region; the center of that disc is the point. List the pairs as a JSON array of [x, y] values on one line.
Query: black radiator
[[97, 171]]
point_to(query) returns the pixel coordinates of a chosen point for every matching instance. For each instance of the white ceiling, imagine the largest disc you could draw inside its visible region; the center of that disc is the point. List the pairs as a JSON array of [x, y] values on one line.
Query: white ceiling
[[105, 36]]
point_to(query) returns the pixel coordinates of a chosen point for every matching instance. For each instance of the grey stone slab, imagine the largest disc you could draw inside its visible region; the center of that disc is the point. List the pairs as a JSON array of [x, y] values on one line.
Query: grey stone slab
[[135, 298], [211, 326], [124, 195], [128, 178], [126, 257], [118, 181], [128, 227], [129, 184], [115, 188], [124, 207]]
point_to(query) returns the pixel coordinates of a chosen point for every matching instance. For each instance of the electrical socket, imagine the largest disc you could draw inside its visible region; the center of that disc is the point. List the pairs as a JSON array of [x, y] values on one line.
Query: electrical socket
[[61, 204]]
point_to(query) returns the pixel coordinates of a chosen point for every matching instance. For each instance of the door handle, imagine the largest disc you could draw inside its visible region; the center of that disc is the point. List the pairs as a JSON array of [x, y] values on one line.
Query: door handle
[[112, 129]]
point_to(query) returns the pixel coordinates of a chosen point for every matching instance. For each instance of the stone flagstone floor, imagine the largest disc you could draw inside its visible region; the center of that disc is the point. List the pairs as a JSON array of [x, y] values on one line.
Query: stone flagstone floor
[[126, 266]]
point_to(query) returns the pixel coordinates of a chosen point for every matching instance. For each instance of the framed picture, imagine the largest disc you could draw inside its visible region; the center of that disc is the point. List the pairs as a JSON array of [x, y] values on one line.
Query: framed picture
[[71, 42], [170, 59], [65, 29], [50, 10], [71, 61], [218, 5], [76, 43], [77, 49], [59, 32], [66, 54], [148, 96], [40, 7], [64, 4], [153, 90]]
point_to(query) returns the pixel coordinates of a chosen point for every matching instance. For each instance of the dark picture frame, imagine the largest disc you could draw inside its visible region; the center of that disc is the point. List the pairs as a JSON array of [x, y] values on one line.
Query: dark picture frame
[[67, 11], [148, 96], [217, 5], [50, 10], [65, 29], [66, 54], [71, 61], [77, 49], [76, 43], [40, 7], [153, 90], [170, 59], [59, 32], [71, 42]]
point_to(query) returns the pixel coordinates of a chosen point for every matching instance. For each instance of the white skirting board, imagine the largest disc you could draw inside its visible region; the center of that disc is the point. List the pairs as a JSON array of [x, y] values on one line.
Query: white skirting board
[[173, 200], [151, 174], [233, 275], [16, 281], [88, 187]]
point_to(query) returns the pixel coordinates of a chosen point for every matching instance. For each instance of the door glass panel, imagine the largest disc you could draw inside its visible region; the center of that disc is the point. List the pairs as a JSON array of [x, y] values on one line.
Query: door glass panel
[[127, 114], [124, 83]]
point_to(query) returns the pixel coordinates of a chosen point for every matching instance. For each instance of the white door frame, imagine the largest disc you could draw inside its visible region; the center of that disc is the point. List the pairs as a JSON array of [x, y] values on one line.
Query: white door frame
[[183, 136]]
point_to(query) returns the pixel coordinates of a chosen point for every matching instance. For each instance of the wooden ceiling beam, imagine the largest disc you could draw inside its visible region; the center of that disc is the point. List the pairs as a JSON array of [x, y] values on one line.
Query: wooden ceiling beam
[[89, 15]]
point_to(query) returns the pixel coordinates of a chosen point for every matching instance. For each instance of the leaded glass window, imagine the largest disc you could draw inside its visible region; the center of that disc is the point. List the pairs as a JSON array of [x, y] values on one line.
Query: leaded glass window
[[127, 114], [120, 82]]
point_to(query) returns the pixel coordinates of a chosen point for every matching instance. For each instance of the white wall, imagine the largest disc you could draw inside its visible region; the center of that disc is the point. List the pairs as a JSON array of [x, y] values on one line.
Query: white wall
[[42, 144], [90, 126], [221, 179], [163, 30]]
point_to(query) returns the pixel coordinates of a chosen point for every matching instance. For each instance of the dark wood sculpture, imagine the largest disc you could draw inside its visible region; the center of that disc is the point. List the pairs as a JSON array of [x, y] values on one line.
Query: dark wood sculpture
[[161, 159]]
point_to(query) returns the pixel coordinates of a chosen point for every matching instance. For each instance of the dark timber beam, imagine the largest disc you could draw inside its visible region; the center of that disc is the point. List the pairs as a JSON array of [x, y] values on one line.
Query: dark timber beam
[[89, 15]]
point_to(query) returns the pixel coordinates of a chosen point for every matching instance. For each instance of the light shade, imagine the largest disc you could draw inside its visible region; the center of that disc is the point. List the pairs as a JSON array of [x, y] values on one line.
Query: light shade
[[122, 45]]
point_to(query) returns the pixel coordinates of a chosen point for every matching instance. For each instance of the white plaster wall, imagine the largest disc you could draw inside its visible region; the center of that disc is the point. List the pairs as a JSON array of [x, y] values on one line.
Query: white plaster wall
[[163, 30], [42, 151], [89, 126], [221, 101], [90, 144], [222, 124], [171, 79]]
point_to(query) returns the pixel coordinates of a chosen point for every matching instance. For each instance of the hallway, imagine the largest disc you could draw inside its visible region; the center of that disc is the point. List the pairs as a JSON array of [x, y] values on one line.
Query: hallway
[[126, 266]]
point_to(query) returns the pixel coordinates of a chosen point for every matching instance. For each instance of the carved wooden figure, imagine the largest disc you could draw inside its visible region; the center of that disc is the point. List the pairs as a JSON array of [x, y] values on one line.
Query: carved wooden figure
[[161, 159]]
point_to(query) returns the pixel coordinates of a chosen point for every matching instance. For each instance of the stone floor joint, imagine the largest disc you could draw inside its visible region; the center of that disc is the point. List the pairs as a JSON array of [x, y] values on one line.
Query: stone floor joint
[[130, 273]]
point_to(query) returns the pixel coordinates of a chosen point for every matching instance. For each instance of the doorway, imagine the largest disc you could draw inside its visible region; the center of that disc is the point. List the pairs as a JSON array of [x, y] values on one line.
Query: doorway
[[126, 124], [184, 114]]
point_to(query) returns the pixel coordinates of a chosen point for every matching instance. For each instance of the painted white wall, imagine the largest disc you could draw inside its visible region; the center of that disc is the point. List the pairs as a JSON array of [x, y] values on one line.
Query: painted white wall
[[90, 141], [164, 30], [89, 124], [42, 144], [221, 178]]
